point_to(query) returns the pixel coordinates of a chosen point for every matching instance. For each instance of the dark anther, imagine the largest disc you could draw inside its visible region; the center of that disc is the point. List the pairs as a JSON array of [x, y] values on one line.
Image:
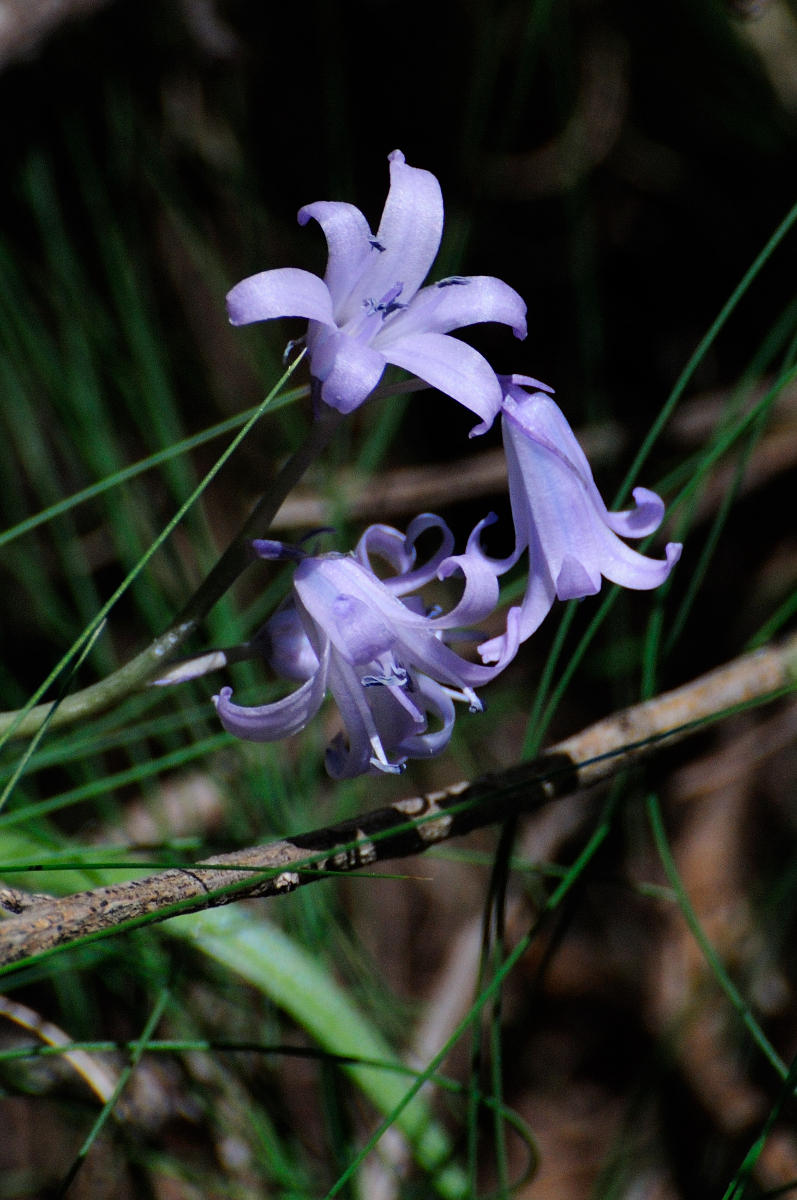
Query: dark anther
[[289, 349], [377, 245], [390, 308], [273, 551]]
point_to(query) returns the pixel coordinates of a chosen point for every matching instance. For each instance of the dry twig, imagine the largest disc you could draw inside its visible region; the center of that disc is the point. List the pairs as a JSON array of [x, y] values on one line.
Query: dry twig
[[409, 826]]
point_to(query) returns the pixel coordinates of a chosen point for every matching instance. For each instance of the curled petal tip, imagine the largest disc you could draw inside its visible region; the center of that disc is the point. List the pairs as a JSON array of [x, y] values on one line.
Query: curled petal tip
[[673, 552], [224, 694], [396, 156], [527, 381], [482, 428]]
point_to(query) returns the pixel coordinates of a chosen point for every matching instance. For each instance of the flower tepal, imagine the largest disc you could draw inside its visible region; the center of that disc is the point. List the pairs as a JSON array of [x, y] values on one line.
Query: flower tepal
[[560, 516], [376, 649], [370, 309]]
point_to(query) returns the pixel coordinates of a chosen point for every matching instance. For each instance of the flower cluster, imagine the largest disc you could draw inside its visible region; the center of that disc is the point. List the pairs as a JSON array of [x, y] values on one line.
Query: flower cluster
[[369, 641]]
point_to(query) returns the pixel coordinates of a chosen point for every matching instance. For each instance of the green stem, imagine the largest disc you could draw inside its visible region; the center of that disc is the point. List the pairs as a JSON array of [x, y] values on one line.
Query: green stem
[[147, 665]]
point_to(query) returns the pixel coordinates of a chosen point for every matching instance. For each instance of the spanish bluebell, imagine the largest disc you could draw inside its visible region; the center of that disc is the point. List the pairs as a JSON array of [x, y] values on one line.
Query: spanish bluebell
[[368, 310], [375, 647], [560, 516]]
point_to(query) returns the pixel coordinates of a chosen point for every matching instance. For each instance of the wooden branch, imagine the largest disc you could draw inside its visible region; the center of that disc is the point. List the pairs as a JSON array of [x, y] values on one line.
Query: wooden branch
[[406, 827]]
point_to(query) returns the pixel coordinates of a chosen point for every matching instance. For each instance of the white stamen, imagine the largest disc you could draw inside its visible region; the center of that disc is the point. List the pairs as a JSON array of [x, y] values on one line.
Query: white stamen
[[466, 696], [380, 759]]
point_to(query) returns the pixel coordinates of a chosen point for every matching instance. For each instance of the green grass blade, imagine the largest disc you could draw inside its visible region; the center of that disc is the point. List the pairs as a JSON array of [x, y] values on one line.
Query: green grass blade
[[298, 982]]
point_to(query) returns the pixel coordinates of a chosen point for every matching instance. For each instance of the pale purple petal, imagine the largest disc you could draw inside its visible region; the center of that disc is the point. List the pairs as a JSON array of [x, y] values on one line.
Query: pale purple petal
[[435, 700], [472, 300], [396, 714], [349, 243], [345, 761], [452, 367], [387, 543], [640, 521], [358, 633], [409, 234], [286, 292], [573, 582], [560, 509], [422, 575], [501, 650], [479, 597], [625, 566], [434, 658], [499, 566], [272, 722], [349, 371], [289, 649], [542, 420], [399, 550], [560, 515], [510, 381]]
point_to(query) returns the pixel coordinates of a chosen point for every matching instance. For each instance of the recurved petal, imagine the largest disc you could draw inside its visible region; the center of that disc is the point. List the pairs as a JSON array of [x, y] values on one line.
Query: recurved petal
[[284, 718], [501, 650], [435, 701], [479, 597], [466, 300], [349, 243], [630, 569], [422, 575], [408, 236], [286, 292], [453, 367], [499, 566], [432, 657], [509, 381], [640, 521], [388, 543], [349, 371]]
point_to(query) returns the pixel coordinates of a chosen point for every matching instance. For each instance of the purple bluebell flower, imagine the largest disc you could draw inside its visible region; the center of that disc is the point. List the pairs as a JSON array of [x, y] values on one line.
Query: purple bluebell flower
[[368, 310], [374, 646], [561, 518]]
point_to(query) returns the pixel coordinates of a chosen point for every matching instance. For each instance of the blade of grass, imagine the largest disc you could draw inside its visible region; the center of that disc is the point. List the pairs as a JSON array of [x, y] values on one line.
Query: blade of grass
[[709, 953], [300, 984], [124, 1079], [700, 352], [575, 872], [14, 720], [145, 464], [39, 735]]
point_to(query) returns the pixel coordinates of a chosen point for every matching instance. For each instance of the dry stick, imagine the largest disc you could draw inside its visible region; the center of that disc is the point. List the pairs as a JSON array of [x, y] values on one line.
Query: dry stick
[[406, 827], [150, 662]]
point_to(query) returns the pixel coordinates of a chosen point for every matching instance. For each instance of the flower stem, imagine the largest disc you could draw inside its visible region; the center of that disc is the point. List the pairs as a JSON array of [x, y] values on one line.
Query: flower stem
[[150, 662]]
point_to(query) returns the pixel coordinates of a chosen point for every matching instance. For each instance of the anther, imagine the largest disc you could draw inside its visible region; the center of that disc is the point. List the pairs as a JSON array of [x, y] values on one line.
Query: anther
[[397, 678], [273, 551], [291, 346]]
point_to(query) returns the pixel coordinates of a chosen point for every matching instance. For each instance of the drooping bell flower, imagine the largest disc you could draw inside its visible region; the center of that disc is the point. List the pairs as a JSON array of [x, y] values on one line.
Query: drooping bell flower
[[374, 646], [560, 516], [368, 310]]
